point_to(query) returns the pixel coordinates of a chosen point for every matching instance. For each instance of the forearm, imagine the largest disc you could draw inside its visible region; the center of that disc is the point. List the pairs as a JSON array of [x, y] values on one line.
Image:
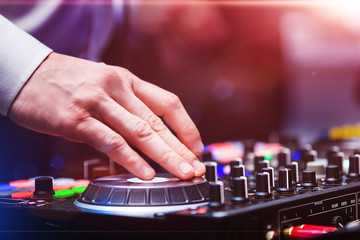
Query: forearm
[[20, 55]]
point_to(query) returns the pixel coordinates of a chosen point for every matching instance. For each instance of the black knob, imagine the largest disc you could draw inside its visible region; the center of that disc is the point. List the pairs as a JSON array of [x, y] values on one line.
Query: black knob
[[207, 157], [304, 151], [216, 194], [357, 151], [270, 170], [337, 160], [237, 171], [44, 187], [284, 157], [353, 174], [309, 179], [331, 152], [261, 165], [240, 193], [310, 156], [258, 159], [332, 175], [236, 162], [284, 181], [211, 171], [294, 172], [262, 186]]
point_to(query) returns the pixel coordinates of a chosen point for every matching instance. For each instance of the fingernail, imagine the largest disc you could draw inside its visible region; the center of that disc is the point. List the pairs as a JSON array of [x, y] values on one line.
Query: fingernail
[[198, 166], [199, 147], [185, 168], [148, 171]]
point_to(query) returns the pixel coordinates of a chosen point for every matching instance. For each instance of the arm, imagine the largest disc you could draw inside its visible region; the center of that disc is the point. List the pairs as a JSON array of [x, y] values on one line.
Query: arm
[[112, 110]]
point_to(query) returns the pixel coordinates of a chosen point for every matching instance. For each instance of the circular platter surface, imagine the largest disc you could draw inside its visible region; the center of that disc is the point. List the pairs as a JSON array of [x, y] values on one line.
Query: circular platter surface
[[128, 195]]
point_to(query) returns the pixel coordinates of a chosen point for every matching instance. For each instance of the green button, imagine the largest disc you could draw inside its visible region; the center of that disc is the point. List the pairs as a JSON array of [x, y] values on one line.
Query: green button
[[64, 193], [79, 190], [269, 157]]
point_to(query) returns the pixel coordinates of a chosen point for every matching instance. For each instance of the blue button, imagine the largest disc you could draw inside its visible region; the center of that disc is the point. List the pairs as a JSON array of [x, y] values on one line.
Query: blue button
[[5, 187]]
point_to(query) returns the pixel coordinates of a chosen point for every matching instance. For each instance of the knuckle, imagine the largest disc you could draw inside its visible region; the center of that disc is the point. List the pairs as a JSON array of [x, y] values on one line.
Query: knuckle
[[168, 156], [143, 129], [130, 160], [172, 100], [112, 142], [156, 123], [184, 152], [76, 113]]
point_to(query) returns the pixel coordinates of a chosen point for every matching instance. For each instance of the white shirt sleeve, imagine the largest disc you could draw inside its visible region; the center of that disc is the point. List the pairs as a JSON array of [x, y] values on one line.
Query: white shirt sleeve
[[20, 55]]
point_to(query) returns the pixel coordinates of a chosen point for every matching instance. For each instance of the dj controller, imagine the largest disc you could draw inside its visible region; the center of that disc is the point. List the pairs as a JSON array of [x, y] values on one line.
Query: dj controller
[[267, 192]]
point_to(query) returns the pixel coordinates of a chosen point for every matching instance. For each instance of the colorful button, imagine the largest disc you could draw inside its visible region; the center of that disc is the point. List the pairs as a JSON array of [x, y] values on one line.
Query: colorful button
[[22, 183], [63, 181], [80, 183], [18, 195], [6, 187], [79, 190], [61, 187], [64, 193]]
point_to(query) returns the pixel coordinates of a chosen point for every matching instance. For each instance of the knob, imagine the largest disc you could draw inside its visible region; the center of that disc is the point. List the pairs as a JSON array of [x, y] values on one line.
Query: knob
[[262, 186], [258, 159], [270, 170], [237, 171], [240, 193], [310, 156], [304, 151], [294, 172], [331, 152], [207, 157], [216, 194], [284, 157], [44, 187], [309, 179], [354, 167], [357, 151], [332, 175], [337, 160], [211, 172], [284, 182], [236, 161], [261, 165]]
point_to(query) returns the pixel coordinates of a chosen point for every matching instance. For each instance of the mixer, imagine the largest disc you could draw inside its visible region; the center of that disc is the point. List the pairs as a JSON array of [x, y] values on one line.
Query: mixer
[[290, 195]]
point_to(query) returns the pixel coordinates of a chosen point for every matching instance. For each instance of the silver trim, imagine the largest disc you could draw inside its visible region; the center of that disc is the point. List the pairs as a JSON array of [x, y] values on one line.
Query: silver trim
[[145, 211]]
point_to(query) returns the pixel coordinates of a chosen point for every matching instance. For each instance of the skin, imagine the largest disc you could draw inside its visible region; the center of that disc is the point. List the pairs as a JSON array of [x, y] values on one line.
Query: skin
[[112, 110]]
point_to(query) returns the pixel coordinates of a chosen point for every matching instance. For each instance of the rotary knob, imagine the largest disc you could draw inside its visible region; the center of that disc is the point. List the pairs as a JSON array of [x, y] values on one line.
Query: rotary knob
[[216, 194], [262, 186], [211, 171], [331, 152], [44, 187], [294, 172], [237, 171], [258, 159], [353, 174], [310, 156], [309, 179], [261, 165], [284, 181], [240, 193], [332, 175], [270, 170], [337, 160], [284, 157]]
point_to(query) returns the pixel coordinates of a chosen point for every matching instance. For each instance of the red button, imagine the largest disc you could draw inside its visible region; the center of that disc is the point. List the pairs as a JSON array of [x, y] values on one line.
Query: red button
[[21, 195], [22, 183]]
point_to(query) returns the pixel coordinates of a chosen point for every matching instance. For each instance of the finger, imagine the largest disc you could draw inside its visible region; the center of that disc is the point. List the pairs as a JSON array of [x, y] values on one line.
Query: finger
[[139, 134], [168, 105], [114, 146], [135, 106]]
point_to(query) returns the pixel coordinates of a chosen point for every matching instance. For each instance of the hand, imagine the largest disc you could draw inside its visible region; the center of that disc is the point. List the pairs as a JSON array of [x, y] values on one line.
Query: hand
[[110, 108]]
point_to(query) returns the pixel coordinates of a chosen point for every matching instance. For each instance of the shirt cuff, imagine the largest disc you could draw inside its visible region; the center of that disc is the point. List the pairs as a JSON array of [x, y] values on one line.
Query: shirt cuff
[[20, 55]]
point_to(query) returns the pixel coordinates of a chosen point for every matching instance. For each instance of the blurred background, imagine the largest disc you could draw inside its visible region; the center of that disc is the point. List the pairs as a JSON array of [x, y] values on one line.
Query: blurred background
[[243, 70]]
